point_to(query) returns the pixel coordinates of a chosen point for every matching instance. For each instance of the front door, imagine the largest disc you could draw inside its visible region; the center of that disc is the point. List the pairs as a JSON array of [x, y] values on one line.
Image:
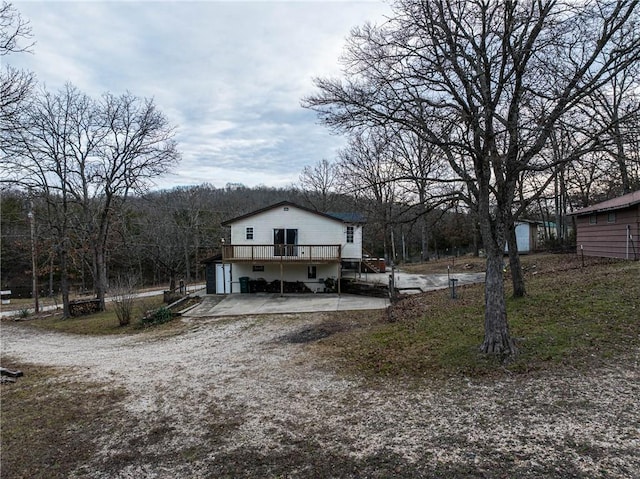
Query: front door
[[223, 278], [285, 241]]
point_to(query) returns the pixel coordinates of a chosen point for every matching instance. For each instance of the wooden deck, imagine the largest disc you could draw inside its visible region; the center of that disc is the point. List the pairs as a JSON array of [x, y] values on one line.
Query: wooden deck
[[281, 253]]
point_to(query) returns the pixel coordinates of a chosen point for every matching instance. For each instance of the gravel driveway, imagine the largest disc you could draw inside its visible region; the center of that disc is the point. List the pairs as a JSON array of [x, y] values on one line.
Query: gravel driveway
[[234, 398]]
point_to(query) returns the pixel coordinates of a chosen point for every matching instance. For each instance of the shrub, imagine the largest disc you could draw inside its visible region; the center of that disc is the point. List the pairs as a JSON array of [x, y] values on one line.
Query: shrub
[[124, 299], [159, 316]]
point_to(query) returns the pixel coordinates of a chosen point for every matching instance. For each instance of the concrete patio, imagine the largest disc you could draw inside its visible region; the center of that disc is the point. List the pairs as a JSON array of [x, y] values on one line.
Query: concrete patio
[[266, 303]]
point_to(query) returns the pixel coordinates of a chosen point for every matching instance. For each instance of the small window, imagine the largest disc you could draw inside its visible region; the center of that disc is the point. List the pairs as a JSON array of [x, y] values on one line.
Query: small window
[[593, 219], [249, 232], [349, 234], [611, 218], [312, 272], [258, 268]]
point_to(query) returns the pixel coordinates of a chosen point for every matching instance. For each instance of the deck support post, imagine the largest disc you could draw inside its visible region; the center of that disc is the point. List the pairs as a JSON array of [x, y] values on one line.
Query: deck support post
[[281, 279]]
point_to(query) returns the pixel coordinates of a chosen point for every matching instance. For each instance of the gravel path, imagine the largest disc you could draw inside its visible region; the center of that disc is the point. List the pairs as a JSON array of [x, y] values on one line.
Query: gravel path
[[231, 398]]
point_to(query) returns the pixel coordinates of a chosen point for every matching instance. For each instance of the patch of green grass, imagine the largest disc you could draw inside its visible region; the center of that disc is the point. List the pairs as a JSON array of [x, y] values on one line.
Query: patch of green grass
[[579, 315], [572, 315], [102, 323], [49, 422], [28, 303]]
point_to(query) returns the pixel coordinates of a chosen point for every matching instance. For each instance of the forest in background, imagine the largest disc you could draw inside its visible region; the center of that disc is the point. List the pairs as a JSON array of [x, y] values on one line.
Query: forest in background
[[163, 236]]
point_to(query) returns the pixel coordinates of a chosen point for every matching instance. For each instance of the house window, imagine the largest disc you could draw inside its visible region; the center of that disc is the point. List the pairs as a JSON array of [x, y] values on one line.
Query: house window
[[593, 219], [611, 218], [258, 268], [249, 232], [349, 234], [311, 272]]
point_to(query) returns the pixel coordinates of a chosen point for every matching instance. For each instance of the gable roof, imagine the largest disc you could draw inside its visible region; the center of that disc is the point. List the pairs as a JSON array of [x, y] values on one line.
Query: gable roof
[[618, 203], [331, 216]]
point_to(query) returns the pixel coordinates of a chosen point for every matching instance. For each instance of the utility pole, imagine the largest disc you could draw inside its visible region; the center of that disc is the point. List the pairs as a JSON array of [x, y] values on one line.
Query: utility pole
[[34, 263]]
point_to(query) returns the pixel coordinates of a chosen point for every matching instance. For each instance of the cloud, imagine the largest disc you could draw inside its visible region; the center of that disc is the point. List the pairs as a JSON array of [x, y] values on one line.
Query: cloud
[[229, 75]]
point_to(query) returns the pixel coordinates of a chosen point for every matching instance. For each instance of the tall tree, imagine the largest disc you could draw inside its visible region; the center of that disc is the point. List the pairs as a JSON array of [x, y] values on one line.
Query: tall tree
[[15, 31], [617, 108], [85, 157], [421, 174], [136, 145], [367, 171], [42, 155], [486, 82], [318, 183]]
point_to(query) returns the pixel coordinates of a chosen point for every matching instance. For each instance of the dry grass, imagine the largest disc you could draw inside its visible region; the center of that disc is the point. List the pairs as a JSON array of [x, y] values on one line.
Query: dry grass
[[572, 314], [49, 422], [103, 323]]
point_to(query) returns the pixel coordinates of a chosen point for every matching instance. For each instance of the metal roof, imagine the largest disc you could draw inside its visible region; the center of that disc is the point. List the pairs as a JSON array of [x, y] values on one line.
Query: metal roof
[[348, 217], [624, 201]]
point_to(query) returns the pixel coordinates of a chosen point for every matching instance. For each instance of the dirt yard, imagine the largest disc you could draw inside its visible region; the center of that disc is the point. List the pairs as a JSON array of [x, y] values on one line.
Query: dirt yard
[[251, 397]]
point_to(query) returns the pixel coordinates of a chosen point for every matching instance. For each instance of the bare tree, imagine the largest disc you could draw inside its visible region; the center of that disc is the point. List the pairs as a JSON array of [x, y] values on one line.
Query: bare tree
[[486, 82], [318, 183], [368, 171], [15, 85], [616, 107], [136, 145], [421, 175], [163, 234], [15, 31], [41, 156], [124, 296], [86, 157]]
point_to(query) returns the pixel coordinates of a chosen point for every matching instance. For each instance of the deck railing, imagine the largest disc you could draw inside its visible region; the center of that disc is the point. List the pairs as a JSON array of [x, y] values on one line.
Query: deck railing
[[282, 253]]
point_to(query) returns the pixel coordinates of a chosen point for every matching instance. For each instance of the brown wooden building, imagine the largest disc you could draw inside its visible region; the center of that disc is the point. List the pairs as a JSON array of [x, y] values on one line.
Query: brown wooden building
[[610, 229]]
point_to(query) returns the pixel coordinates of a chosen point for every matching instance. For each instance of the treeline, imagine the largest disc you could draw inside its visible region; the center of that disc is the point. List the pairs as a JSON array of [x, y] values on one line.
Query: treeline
[[163, 236]]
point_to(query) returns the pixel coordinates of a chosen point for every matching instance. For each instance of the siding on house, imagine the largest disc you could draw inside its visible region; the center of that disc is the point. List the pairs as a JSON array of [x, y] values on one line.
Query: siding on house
[[607, 238], [313, 229], [320, 242], [610, 229]]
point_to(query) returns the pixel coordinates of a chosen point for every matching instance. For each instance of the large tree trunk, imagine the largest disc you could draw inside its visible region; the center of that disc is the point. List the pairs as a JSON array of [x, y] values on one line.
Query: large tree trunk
[[497, 339], [620, 154], [100, 252], [172, 280], [187, 262], [424, 240]]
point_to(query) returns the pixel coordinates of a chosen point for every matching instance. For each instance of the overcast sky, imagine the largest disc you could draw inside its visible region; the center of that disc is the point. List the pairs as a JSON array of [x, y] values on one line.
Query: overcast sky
[[229, 75]]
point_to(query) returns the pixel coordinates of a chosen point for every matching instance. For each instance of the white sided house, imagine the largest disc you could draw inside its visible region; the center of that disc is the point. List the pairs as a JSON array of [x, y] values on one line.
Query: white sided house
[[289, 245]]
